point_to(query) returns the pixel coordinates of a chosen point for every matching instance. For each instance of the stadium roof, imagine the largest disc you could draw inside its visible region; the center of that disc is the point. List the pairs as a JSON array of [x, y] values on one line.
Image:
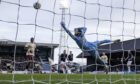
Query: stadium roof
[[132, 45], [11, 43]]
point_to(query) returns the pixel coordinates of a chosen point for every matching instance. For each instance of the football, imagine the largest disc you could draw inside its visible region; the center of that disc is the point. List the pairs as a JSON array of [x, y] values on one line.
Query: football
[[37, 5]]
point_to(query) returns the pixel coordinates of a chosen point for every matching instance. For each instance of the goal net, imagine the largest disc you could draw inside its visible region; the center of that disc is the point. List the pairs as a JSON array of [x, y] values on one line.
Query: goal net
[[112, 31]]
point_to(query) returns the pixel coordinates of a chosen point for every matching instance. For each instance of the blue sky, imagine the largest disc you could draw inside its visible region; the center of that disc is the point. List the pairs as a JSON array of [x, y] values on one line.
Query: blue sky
[[114, 21]]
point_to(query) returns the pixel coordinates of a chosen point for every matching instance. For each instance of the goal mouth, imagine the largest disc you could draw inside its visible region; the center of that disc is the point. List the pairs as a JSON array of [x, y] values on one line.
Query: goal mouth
[[70, 52]]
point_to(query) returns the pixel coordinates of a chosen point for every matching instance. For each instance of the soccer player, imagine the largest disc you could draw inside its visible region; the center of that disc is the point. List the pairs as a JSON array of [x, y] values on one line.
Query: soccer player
[[104, 58], [70, 57], [62, 66], [63, 56], [70, 62], [90, 47], [30, 54], [129, 60]]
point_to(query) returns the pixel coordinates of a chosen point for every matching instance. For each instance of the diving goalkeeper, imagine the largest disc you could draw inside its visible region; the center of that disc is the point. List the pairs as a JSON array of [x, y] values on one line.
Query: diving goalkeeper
[[90, 47]]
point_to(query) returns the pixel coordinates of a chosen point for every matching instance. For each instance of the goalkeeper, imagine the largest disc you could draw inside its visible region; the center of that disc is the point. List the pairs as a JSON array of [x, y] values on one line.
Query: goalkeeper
[[90, 47]]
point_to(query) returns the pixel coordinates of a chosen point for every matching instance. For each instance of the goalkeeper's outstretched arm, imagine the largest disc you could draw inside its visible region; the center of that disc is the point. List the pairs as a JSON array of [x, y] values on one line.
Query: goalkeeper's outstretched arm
[[64, 27]]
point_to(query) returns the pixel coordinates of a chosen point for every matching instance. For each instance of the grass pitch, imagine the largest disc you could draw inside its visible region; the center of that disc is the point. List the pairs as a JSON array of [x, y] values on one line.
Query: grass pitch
[[70, 79]]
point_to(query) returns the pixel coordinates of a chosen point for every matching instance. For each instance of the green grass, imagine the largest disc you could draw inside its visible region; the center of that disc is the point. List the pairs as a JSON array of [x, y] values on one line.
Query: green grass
[[70, 79]]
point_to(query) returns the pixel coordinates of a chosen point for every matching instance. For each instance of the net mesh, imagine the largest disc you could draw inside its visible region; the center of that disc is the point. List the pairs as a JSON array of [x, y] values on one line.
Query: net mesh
[[104, 19]]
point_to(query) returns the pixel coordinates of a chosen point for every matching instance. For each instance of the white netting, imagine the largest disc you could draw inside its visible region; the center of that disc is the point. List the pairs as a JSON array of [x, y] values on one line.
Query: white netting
[[104, 19]]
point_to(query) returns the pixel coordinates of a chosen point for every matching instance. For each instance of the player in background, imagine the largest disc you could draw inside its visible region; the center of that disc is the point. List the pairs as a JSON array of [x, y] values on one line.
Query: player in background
[[104, 58], [30, 53], [129, 60]]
